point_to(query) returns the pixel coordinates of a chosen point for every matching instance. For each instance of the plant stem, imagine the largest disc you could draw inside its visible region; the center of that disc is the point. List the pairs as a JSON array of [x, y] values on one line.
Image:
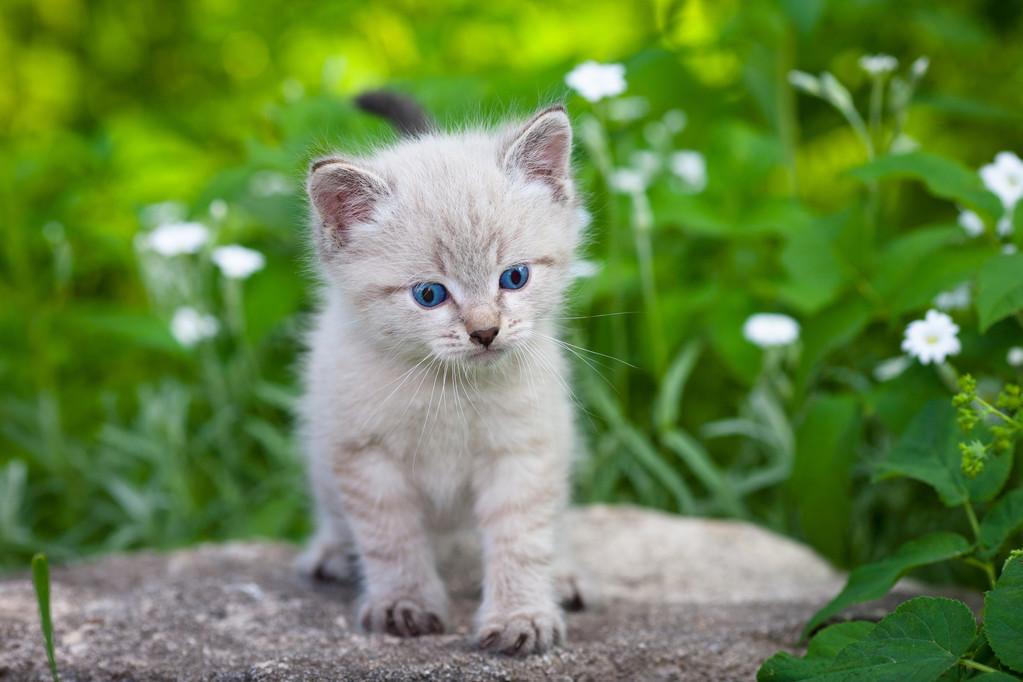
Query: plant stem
[[972, 516], [985, 566], [967, 663], [642, 223]]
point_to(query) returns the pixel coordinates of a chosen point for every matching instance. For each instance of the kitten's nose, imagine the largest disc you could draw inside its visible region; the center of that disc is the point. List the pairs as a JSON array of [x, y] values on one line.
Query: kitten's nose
[[484, 337]]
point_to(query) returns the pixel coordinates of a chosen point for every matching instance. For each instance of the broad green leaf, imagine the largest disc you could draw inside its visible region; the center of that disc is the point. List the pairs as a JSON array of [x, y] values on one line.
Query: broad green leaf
[[928, 452], [1000, 288], [943, 270], [944, 178], [815, 272], [896, 264], [919, 641], [669, 399], [996, 676], [1003, 615], [829, 329], [1001, 521], [872, 581], [819, 485], [820, 654]]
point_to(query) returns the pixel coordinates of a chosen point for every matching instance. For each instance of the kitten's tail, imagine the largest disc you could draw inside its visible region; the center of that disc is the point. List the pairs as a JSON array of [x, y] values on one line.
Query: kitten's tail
[[401, 111]]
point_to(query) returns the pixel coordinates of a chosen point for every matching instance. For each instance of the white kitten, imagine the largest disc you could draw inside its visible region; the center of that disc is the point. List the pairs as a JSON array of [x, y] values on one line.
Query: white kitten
[[434, 385]]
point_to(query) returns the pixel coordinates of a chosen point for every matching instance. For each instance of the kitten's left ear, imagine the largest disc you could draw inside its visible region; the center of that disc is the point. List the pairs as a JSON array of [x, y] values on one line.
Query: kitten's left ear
[[542, 151]]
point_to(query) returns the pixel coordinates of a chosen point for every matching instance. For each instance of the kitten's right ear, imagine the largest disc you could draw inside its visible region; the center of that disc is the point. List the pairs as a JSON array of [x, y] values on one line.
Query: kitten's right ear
[[343, 195]]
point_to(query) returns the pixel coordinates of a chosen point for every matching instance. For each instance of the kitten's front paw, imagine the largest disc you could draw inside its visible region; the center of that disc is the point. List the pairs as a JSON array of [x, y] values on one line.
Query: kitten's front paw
[[522, 632], [402, 617]]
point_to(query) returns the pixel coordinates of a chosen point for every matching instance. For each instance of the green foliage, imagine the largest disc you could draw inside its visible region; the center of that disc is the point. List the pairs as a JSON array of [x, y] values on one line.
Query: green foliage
[[41, 583], [872, 581], [1000, 289], [1003, 615], [1003, 520], [921, 640]]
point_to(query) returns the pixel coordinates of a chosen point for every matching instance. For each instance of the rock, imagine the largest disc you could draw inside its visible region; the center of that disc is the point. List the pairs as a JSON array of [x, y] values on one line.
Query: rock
[[680, 599]]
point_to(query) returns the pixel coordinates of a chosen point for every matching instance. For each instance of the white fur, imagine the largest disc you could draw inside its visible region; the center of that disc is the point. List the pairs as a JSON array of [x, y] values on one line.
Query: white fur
[[411, 428]]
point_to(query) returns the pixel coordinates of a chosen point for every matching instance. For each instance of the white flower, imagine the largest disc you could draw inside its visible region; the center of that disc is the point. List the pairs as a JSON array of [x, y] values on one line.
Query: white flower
[[582, 269], [164, 212], [933, 338], [920, 67], [1015, 356], [691, 167], [237, 262], [1004, 226], [1009, 249], [267, 183], [801, 80], [770, 329], [177, 238], [674, 120], [628, 109], [596, 81], [218, 209], [971, 223], [956, 299], [878, 64], [887, 370], [189, 326], [1004, 178], [628, 181], [646, 162]]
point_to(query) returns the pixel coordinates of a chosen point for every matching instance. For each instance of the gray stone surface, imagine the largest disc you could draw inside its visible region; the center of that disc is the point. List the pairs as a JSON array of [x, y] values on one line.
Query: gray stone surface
[[679, 599]]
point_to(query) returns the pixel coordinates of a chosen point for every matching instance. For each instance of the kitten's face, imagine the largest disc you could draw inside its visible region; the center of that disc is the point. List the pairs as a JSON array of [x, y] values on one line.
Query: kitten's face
[[455, 248]]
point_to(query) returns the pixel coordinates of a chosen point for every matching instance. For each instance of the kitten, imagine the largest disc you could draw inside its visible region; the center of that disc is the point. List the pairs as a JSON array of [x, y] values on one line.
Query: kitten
[[434, 390]]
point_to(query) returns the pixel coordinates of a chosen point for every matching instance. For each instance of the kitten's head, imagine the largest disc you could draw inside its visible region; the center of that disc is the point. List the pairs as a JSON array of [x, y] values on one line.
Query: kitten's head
[[456, 246]]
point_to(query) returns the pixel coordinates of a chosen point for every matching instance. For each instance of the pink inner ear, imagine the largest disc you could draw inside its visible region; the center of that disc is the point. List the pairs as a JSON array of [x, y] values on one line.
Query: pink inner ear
[[542, 151], [343, 196]]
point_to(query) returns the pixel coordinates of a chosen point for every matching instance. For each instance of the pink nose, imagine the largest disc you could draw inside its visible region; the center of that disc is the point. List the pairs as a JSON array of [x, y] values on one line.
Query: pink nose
[[484, 337]]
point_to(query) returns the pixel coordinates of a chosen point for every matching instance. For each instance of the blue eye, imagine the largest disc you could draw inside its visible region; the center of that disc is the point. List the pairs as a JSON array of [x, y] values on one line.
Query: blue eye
[[515, 277], [429, 294]]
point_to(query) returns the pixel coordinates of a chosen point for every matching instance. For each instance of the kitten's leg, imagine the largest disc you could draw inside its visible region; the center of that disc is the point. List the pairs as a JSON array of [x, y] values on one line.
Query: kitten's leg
[[330, 553], [403, 595], [517, 503]]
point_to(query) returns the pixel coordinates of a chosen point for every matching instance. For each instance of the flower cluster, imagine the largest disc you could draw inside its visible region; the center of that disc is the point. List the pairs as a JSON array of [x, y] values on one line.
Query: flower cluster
[[1006, 417]]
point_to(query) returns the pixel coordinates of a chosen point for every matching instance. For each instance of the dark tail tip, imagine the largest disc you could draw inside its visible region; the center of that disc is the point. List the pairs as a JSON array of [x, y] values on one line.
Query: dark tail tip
[[403, 112]]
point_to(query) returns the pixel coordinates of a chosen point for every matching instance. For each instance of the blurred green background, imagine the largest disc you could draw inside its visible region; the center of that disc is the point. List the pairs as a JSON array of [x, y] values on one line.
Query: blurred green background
[[116, 117]]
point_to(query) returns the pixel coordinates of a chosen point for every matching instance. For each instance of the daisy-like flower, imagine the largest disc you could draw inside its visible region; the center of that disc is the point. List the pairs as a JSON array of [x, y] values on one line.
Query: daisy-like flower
[[174, 239], [878, 64], [1015, 356], [768, 330], [218, 209], [237, 262], [595, 81], [1004, 226], [956, 299], [628, 181], [1004, 178], [189, 326], [920, 66], [932, 339], [691, 167], [971, 223]]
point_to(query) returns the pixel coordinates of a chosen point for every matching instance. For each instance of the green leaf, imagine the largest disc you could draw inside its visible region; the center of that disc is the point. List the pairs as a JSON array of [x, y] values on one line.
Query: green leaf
[[819, 485], [1001, 521], [1003, 615], [928, 452], [1000, 288], [820, 654], [944, 178], [669, 398], [41, 582], [815, 272], [832, 327], [919, 641], [872, 581]]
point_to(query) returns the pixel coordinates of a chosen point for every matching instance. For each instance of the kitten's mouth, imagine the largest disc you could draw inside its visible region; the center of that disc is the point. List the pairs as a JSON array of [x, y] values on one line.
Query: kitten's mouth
[[484, 355]]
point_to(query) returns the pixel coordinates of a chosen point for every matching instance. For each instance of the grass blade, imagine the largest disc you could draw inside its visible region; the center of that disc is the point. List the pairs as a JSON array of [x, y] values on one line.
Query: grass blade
[[41, 582]]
